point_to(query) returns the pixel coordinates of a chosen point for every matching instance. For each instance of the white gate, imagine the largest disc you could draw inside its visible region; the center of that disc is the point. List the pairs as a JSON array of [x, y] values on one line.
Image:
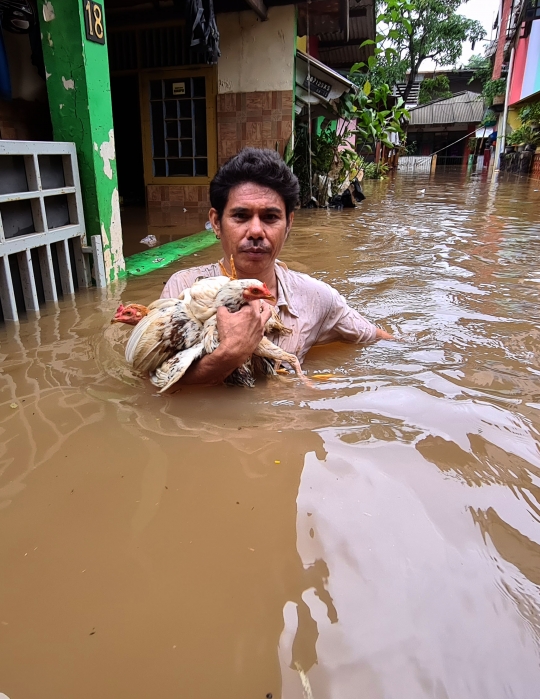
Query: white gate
[[42, 232], [416, 163]]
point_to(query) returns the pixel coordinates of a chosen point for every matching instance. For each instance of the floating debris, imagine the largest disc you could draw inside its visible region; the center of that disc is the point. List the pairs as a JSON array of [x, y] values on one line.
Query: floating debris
[[157, 260], [14, 406], [150, 240]]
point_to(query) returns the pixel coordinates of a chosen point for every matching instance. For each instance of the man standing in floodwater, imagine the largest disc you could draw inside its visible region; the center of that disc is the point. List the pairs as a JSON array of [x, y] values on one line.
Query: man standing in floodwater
[[253, 197]]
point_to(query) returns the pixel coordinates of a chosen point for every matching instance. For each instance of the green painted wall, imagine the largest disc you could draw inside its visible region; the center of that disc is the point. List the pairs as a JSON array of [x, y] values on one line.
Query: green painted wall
[[78, 85]]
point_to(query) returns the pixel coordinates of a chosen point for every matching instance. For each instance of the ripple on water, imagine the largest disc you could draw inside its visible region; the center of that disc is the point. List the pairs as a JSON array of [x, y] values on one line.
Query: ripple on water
[[373, 535]]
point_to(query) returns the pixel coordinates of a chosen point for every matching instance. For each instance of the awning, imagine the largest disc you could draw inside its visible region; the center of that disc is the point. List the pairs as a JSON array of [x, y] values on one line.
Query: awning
[[319, 86]]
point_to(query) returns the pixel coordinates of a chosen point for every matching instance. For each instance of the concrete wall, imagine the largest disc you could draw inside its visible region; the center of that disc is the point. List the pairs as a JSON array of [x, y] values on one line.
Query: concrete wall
[[257, 56]]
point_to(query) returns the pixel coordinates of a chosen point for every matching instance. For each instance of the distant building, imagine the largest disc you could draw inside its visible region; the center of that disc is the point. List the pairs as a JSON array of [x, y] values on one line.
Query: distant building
[[516, 57], [459, 79], [442, 127]]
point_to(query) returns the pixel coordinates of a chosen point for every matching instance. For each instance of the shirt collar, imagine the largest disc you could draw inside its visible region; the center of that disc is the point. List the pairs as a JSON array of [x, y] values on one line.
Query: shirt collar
[[284, 290]]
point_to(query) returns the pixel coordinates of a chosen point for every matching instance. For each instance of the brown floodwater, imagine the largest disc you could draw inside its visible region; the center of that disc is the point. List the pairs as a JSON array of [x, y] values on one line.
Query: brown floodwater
[[373, 536]]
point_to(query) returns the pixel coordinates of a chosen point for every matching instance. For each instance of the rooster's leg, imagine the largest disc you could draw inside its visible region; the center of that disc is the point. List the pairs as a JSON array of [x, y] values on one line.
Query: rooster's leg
[[271, 351]]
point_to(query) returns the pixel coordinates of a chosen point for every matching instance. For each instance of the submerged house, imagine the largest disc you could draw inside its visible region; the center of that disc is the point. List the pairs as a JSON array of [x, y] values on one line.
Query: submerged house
[[444, 126], [157, 94]]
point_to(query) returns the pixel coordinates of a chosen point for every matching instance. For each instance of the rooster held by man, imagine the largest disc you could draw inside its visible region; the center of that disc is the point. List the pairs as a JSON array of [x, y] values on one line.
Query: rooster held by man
[[253, 197]]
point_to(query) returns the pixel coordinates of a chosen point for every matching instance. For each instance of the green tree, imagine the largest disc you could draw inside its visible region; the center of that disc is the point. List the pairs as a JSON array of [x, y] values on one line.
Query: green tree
[[482, 68], [436, 88], [411, 32]]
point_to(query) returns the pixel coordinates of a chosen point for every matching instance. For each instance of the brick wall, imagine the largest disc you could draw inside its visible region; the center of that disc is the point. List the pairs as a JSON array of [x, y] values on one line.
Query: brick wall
[[535, 171], [259, 119], [499, 54], [192, 197]]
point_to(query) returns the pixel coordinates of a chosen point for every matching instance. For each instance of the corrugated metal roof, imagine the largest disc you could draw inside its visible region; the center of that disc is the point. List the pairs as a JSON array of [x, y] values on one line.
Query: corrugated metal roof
[[463, 108], [360, 28]]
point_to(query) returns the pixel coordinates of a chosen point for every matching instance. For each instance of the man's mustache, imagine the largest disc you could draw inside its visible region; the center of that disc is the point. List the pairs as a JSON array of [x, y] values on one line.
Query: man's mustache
[[261, 247]]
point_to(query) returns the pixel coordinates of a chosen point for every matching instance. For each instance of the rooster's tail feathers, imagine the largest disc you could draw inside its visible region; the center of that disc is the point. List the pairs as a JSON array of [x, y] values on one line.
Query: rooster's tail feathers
[[174, 368]]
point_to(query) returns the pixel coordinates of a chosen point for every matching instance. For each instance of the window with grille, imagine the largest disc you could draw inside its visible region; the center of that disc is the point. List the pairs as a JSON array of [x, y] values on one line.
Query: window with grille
[[178, 127]]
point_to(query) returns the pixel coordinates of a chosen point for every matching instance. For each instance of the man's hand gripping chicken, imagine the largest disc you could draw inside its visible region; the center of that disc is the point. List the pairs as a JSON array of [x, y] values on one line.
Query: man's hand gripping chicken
[[173, 333]]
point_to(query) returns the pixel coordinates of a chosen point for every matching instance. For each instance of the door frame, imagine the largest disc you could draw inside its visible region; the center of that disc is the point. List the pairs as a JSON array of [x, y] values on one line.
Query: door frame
[[184, 72]]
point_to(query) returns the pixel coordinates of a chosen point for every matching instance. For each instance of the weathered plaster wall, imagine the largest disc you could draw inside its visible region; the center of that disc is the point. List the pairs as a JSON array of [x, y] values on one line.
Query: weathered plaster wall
[[257, 56], [78, 85]]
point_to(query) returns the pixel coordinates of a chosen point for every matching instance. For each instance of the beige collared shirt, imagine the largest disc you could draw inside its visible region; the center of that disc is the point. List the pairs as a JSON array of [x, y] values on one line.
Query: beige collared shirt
[[315, 312]]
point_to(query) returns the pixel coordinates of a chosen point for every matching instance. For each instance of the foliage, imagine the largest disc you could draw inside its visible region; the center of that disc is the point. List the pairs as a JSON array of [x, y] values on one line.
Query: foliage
[[375, 117], [482, 68], [492, 89], [365, 117], [434, 89], [375, 171], [530, 113], [489, 119], [410, 32], [525, 135], [409, 148]]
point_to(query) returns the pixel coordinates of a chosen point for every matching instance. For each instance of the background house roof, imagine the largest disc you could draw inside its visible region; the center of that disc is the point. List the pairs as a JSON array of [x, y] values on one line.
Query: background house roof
[[464, 107], [339, 48]]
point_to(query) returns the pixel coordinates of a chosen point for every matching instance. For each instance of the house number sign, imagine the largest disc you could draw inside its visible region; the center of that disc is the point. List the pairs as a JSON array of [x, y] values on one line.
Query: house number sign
[[93, 21]]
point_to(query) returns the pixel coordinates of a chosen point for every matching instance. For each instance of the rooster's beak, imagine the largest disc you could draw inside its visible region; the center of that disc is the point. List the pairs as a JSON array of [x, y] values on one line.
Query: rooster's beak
[[271, 298]]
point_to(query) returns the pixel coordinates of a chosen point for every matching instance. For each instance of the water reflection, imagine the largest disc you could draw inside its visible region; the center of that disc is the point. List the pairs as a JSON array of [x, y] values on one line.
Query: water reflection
[[375, 535]]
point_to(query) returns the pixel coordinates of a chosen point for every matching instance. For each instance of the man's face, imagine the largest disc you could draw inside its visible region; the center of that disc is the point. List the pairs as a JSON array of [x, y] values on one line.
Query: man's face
[[253, 228]]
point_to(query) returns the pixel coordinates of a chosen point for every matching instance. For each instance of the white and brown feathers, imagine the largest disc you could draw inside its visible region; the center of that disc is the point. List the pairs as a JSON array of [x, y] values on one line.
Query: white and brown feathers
[[177, 332], [172, 325]]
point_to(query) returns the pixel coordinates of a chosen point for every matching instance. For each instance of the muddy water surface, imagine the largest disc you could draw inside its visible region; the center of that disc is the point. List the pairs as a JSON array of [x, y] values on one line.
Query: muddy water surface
[[375, 536]]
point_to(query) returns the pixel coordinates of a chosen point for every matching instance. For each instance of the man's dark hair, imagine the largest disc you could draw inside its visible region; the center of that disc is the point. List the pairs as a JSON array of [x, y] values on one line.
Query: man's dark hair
[[261, 166]]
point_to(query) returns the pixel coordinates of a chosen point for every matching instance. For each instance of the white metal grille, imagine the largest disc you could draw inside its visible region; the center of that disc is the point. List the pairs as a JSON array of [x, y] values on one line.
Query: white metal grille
[[42, 232], [415, 163]]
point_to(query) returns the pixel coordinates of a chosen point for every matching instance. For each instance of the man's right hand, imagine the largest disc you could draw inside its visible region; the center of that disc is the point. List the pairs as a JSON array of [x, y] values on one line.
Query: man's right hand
[[241, 332], [239, 335]]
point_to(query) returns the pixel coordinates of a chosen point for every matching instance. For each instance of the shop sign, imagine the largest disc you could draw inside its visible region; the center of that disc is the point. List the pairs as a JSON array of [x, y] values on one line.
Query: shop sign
[[319, 87]]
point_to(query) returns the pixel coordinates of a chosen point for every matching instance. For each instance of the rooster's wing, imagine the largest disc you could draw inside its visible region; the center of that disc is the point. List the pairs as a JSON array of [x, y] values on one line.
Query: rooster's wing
[[166, 330]]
